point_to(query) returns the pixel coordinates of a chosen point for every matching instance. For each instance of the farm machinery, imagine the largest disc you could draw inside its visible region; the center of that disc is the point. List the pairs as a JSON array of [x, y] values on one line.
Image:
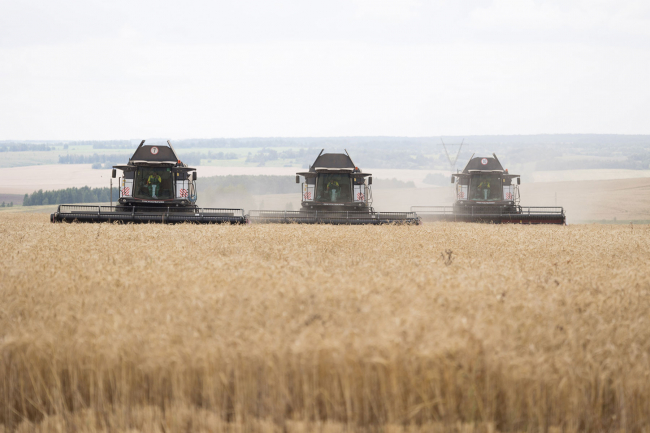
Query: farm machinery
[[155, 187], [485, 192], [334, 191]]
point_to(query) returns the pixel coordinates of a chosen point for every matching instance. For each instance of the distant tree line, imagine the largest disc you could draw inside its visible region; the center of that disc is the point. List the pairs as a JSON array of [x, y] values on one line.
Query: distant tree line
[[115, 144], [242, 142], [392, 159], [108, 160], [70, 195], [633, 162], [263, 156], [376, 158], [93, 159], [10, 204], [194, 158], [23, 147]]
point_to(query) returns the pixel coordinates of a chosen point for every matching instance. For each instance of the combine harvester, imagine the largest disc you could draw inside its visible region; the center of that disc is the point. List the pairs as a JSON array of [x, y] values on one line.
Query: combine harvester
[[335, 191], [156, 187], [487, 193]]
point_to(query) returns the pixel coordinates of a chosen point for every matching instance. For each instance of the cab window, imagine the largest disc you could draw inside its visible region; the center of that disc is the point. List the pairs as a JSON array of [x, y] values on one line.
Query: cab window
[[154, 183], [485, 187], [333, 187]]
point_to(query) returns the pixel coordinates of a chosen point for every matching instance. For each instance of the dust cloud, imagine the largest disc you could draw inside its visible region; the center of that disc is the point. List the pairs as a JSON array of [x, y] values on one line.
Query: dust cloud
[[237, 198], [583, 201]]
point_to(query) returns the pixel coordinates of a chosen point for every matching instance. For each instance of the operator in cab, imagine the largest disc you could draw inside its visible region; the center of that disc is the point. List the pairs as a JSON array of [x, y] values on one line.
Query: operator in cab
[[332, 189], [481, 187], [332, 184], [153, 182], [484, 187]]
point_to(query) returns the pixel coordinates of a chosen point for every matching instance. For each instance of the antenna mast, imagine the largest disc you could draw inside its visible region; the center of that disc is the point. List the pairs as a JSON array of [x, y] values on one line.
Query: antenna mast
[[452, 162]]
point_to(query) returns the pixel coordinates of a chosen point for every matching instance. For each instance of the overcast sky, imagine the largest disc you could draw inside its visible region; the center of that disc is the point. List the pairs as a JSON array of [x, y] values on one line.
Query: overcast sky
[[95, 69]]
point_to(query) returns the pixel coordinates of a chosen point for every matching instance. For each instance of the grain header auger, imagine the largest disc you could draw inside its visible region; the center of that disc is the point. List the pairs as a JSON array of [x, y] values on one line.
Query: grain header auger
[[335, 191], [487, 193], [155, 187]]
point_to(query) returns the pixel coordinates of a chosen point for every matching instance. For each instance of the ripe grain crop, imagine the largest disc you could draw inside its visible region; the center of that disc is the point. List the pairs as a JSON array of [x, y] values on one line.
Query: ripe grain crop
[[323, 328]]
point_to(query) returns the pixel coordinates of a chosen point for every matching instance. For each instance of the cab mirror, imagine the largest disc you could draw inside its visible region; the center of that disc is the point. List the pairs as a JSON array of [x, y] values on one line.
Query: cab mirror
[[194, 176], [297, 179], [518, 181], [452, 179], [370, 180], [113, 174]]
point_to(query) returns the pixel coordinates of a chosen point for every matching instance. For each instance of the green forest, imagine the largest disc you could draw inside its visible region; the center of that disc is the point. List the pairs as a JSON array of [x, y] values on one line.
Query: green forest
[[25, 147], [92, 159], [70, 195]]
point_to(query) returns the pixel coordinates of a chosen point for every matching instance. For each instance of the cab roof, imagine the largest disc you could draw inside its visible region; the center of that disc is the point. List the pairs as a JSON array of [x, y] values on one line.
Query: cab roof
[[484, 164], [332, 163], [154, 155], [332, 160]]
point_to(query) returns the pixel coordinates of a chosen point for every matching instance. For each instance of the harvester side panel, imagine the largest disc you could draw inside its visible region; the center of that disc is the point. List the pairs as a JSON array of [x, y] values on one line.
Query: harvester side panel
[[359, 194], [462, 192], [126, 189], [509, 192], [308, 191], [182, 189]]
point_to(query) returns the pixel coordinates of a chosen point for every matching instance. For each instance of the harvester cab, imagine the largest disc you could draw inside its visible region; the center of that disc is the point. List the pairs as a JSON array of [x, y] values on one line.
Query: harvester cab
[[486, 192], [333, 182], [155, 187], [155, 176], [334, 191]]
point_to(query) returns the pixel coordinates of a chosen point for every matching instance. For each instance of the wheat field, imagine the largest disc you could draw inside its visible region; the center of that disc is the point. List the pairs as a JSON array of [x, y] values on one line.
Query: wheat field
[[288, 328]]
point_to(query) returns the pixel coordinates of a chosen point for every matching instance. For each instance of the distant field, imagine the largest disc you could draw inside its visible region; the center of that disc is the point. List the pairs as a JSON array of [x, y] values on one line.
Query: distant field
[[26, 159], [322, 328]]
